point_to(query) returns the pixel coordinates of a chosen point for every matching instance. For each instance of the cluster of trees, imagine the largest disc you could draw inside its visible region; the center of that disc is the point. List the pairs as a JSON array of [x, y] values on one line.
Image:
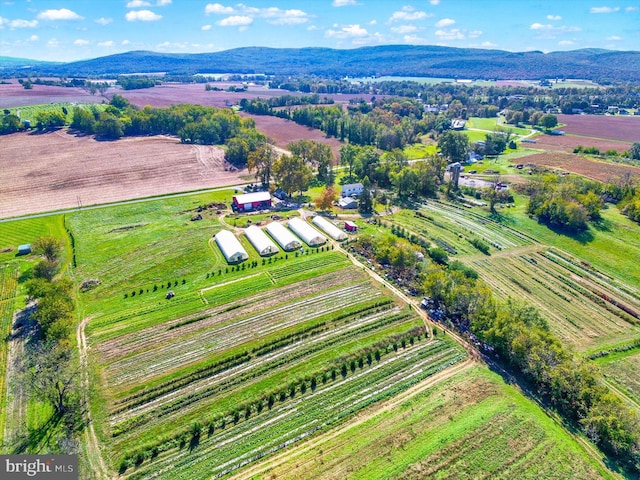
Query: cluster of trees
[[49, 371], [564, 202], [264, 106], [192, 123], [134, 82], [10, 123], [522, 338]]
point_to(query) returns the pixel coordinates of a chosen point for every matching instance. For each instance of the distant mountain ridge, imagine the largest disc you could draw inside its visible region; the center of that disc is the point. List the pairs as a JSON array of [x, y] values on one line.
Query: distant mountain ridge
[[399, 60]]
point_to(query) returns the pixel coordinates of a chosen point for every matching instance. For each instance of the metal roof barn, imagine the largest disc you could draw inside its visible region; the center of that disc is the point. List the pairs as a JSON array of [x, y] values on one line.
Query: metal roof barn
[[287, 240], [251, 201], [329, 228], [230, 247], [306, 232], [260, 241]]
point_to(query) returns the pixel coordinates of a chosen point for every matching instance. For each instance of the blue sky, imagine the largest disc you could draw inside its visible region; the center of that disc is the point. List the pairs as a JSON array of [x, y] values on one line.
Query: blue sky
[[66, 30]]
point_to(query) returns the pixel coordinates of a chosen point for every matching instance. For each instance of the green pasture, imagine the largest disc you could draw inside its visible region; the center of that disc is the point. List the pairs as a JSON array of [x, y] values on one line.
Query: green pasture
[[621, 371], [470, 426], [494, 124], [30, 112], [418, 151]]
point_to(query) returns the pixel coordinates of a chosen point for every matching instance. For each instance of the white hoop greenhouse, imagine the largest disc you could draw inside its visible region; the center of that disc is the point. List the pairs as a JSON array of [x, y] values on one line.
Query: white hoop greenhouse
[[230, 246], [284, 237], [306, 232], [329, 228], [260, 241]]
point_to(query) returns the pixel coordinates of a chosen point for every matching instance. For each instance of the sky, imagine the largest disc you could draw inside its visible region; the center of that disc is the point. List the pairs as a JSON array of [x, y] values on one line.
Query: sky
[[67, 30]]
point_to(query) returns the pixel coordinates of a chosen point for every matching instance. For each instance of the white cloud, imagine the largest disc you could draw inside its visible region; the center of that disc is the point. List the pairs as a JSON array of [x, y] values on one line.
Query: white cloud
[[33, 38], [404, 29], [205, 28], [409, 14], [566, 42], [540, 26], [631, 9], [555, 18], [3, 22], [286, 17], [104, 21], [474, 33], [451, 34], [614, 38], [348, 31], [445, 22], [138, 4], [163, 3], [80, 42], [23, 23], [488, 45], [125, 42], [53, 43], [235, 21], [434, 2], [217, 9], [604, 9], [62, 14], [415, 40], [107, 44], [373, 22], [343, 3], [142, 16]]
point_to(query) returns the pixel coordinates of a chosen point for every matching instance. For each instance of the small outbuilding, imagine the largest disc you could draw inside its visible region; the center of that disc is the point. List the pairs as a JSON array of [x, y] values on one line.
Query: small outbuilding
[[260, 241], [306, 232], [287, 240], [329, 228], [350, 226], [348, 203], [248, 202], [24, 249], [230, 247], [351, 189]]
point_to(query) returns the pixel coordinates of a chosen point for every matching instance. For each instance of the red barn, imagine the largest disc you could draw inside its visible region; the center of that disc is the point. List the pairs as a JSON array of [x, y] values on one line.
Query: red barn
[[350, 226], [248, 202]]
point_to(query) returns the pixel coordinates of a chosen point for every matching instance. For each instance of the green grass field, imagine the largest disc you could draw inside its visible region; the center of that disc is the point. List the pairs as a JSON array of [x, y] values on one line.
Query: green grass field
[[31, 112], [470, 426]]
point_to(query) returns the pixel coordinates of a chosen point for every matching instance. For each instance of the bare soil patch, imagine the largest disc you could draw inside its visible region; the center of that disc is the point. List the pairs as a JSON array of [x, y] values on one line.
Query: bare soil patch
[[58, 170], [15, 95], [597, 170], [566, 143], [282, 132], [623, 128]]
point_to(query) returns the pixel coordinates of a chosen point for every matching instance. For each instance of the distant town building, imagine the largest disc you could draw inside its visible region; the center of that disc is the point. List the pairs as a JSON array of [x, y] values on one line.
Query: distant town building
[[351, 189]]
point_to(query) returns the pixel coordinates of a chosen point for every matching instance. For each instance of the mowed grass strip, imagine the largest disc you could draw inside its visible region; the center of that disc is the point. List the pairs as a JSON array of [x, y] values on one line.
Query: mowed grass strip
[[470, 426], [621, 371]]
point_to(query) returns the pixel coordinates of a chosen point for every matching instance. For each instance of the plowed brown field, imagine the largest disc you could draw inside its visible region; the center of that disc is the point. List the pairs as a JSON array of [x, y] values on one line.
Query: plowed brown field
[[58, 170], [619, 127], [594, 169], [566, 143]]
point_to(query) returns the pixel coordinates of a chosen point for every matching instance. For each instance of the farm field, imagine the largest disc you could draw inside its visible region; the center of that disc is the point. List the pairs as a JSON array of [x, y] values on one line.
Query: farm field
[[8, 289], [15, 95], [590, 168], [269, 353], [60, 170], [625, 128], [585, 308], [566, 143], [621, 372], [469, 426]]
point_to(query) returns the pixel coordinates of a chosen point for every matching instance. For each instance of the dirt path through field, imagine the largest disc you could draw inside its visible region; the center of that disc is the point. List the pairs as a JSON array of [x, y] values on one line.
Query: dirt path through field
[[96, 462], [359, 419]]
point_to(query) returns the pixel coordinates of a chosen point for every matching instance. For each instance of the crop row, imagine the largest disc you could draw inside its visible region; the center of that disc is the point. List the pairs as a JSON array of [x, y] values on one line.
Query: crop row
[[173, 352], [573, 312], [257, 367], [276, 370], [112, 346], [238, 438], [8, 286], [314, 329]]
